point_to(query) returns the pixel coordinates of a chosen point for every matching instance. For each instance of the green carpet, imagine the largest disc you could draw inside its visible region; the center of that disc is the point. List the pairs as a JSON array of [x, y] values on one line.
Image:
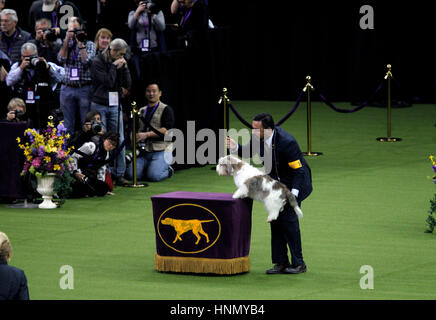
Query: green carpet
[[368, 207]]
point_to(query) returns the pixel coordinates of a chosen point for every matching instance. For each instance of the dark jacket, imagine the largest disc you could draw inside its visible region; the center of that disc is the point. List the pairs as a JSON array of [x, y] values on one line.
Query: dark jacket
[[13, 283], [288, 164], [14, 53], [107, 78]]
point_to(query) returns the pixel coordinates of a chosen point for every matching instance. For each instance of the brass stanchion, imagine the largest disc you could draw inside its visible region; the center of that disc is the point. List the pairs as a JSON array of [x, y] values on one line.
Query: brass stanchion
[[308, 88], [133, 114], [388, 138], [225, 101]]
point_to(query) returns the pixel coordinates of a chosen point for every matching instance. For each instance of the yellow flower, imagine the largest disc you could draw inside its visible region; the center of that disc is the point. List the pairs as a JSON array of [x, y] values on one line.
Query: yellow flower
[[18, 140], [56, 167], [47, 159], [29, 158]]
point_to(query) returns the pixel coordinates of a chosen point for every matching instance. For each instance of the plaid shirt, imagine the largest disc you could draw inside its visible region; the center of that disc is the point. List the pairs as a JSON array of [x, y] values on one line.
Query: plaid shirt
[[74, 60]]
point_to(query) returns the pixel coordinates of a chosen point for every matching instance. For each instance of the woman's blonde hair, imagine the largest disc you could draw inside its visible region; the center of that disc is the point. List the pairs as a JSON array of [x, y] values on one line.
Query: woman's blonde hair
[[5, 247], [102, 31], [16, 102]]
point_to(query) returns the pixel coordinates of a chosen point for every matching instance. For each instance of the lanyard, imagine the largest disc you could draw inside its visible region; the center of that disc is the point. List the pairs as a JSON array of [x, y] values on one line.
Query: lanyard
[[186, 17], [151, 113], [54, 19], [146, 24]]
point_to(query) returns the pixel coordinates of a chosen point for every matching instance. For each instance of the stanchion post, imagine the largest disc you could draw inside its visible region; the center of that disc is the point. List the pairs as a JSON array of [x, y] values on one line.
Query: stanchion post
[[308, 88], [133, 114], [225, 101], [388, 138]]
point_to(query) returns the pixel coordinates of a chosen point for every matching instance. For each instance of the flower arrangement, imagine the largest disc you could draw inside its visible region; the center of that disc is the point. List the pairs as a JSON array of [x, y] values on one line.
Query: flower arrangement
[[431, 221], [46, 151]]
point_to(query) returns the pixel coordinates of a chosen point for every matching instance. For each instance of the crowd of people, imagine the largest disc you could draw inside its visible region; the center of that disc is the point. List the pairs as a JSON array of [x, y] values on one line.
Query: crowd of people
[[57, 69]]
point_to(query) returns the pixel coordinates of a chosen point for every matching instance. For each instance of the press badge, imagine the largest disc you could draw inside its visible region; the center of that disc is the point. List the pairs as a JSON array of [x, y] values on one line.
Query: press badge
[[145, 45], [113, 99], [74, 74], [30, 97]]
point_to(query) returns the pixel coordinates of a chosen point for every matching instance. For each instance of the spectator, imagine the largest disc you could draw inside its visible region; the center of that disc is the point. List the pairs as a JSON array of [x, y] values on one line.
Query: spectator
[[89, 166], [193, 26], [76, 55], [46, 40], [91, 131], [111, 80], [13, 282], [146, 23], [102, 40], [154, 158], [51, 10], [12, 37], [34, 80], [17, 111]]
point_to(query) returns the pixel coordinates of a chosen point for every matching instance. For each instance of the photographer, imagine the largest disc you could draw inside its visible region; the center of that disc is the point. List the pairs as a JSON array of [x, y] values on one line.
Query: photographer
[[91, 131], [17, 112], [89, 166], [12, 37], [111, 80], [154, 156], [147, 24], [46, 40], [34, 80], [51, 10], [76, 56]]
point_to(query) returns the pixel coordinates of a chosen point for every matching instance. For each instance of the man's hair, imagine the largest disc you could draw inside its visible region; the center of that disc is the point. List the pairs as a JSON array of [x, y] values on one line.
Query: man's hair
[[91, 114], [10, 12], [16, 102], [152, 82], [29, 46], [266, 119], [43, 21], [112, 136], [118, 44], [5, 247]]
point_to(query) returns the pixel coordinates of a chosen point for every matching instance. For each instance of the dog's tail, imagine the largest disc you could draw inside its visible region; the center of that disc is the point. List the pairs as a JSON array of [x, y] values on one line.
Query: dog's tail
[[294, 204]]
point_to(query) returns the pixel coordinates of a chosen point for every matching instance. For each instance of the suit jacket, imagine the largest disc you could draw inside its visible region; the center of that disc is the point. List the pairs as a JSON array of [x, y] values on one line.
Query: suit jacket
[[287, 162], [13, 283]]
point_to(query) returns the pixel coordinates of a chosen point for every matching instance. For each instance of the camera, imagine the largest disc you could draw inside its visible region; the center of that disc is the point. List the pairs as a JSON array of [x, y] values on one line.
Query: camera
[[18, 113], [151, 6], [50, 35], [80, 35], [96, 126]]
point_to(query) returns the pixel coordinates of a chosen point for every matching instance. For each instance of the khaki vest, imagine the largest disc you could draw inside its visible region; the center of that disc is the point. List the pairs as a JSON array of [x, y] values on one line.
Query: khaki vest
[[155, 122]]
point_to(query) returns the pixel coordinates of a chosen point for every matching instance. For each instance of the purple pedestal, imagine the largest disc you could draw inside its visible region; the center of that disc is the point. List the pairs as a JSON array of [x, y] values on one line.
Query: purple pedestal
[[202, 232]]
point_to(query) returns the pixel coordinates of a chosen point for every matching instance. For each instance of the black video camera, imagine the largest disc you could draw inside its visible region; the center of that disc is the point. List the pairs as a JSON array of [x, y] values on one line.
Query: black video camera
[[50, 35], [151, 6], [80, 35]]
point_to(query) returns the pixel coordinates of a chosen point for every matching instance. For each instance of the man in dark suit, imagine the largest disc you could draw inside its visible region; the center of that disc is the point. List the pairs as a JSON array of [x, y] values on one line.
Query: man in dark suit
[[13, 282], [283, 161]]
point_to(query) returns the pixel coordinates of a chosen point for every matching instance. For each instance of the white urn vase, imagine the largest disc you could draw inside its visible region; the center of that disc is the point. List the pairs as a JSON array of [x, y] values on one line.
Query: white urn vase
[[45, 188]]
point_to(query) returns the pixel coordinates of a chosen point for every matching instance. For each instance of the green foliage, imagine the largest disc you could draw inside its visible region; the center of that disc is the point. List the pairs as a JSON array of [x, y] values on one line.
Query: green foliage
[[431, 221], [62, 187]]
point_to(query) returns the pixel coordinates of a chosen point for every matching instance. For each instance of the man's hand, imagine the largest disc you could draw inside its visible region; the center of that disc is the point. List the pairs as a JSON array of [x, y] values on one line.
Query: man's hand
[[230, 143], [119, 63], [3, 74], [24, 64], [141, 136]]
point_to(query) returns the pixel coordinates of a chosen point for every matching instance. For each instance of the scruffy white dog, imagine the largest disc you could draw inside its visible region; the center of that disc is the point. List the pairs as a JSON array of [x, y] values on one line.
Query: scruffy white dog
[[255, 184]]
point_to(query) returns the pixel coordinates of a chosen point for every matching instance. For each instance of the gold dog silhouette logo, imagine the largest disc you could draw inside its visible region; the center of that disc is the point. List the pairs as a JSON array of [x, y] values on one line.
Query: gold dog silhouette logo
[[188, 228]]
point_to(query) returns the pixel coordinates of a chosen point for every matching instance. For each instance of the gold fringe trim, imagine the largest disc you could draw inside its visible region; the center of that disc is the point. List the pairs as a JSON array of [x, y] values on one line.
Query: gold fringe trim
[[201, 265]]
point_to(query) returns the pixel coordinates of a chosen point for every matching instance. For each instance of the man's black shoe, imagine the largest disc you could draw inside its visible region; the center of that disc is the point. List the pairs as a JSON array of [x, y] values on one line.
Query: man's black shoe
[[294, 270], [278, 268]]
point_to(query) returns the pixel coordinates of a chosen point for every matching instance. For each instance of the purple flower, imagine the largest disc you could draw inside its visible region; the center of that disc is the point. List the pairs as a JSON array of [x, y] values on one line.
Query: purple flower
[[41, 151], [434, 168], [60, 129]]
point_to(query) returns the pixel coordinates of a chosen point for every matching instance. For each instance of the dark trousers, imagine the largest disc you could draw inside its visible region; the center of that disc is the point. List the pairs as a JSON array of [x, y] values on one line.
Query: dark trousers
[[285, 231]]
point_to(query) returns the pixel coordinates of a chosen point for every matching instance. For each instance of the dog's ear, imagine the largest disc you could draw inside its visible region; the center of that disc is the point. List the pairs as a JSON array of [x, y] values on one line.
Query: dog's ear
[[236, 166]]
